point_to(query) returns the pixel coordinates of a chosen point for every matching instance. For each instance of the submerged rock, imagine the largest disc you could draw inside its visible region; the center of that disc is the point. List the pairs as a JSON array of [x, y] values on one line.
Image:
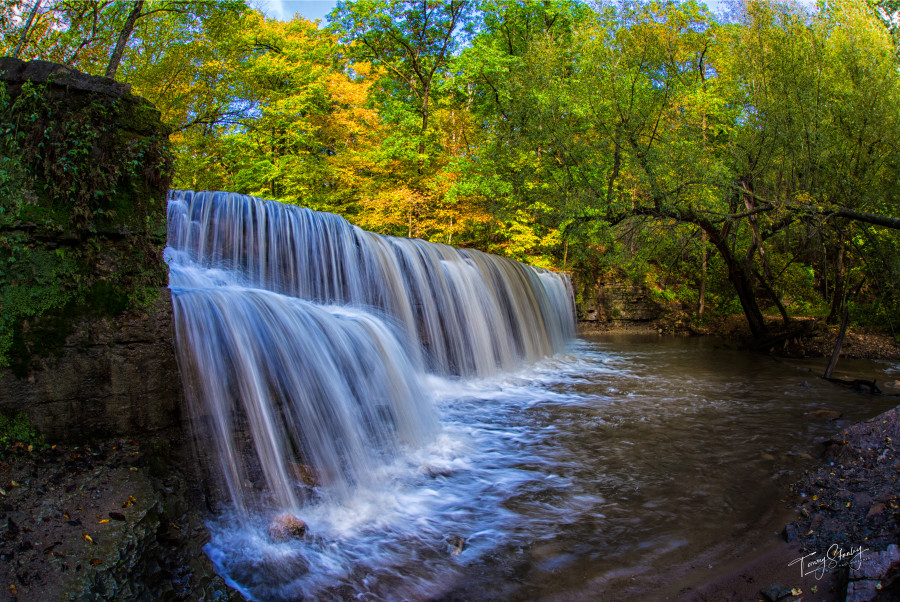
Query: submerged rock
[[285, 527], [306, 474], [457, 544], [775, 592], [790, 534], [828, 414], [433, 472]]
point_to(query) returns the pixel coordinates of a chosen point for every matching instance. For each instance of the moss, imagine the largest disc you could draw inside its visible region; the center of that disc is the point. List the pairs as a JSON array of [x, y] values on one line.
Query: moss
[[83, 181]]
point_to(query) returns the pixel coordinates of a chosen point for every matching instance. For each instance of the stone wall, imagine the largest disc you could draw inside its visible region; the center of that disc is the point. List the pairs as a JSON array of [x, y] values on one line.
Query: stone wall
[[616, 303], [86, 337]]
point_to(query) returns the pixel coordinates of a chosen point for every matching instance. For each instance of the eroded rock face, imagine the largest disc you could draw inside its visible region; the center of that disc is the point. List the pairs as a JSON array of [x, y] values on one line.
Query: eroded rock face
[[616, 302], [114, 377], [86, 324]]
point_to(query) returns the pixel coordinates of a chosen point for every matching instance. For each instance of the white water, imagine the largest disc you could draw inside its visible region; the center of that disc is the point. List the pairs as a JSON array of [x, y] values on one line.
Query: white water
[[309, 345]]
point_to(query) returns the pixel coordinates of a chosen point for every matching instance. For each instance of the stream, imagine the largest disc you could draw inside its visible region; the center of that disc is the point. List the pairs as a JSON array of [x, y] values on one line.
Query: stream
[[617, 466]]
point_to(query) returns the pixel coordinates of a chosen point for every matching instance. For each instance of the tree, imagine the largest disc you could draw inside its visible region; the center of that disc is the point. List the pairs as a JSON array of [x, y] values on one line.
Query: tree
[[94, 35], [122, 40], [410, 43], [761, 133], [501, 80]]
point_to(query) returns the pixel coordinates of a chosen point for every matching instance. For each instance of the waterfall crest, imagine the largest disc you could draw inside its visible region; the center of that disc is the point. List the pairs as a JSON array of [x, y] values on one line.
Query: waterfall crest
[[303, 339]]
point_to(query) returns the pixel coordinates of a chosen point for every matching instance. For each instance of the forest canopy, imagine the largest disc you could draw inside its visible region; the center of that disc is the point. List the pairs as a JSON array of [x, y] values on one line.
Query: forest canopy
[[741, 162]]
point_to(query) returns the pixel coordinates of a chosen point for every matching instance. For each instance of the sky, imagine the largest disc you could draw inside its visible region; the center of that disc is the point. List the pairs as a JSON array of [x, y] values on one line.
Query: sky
[[284, 10]]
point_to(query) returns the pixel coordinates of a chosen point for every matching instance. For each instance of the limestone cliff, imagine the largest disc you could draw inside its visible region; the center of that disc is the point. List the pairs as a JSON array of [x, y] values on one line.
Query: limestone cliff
[[85, 332]]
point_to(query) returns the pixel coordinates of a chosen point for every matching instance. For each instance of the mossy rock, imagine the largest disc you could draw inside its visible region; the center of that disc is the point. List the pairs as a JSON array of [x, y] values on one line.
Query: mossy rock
[[83, 184]]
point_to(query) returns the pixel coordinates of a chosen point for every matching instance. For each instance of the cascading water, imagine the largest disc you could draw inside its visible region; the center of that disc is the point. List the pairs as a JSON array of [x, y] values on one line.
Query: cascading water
[[307, 345]]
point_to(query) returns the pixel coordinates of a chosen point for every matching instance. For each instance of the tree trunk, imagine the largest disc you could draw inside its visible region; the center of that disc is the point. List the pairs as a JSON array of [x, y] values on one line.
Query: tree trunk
[[837, 297], [426, 93], [24, 37], [743, 286], [703, 271], [740, 279], [124, 36], [838, 343]]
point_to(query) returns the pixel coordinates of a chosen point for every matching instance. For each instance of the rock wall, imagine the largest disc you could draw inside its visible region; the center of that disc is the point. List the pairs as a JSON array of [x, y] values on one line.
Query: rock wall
[[86, 338], [87, 350], [615, 303], [113, 376]]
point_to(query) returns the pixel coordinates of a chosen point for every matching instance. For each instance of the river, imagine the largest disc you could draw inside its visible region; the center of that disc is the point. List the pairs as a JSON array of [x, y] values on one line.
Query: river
[[618, 466]]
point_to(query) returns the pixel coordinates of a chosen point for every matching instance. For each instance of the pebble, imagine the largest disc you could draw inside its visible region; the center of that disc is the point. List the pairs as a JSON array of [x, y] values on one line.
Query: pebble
[[775, 592], [828, 414], [457, 544]]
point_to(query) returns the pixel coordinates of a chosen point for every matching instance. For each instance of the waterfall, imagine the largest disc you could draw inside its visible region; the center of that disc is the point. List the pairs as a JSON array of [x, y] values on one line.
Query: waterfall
[[304, 341]]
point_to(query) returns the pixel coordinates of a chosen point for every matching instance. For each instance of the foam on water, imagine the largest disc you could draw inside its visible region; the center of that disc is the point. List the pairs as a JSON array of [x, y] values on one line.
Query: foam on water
[[325, 367], [396, 539]]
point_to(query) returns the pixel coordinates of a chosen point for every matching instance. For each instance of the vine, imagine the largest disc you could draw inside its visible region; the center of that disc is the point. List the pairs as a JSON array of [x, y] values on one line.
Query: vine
[[83, 178]]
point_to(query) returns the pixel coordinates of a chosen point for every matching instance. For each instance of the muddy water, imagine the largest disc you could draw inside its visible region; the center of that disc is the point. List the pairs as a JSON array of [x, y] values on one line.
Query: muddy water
[[607, 472]]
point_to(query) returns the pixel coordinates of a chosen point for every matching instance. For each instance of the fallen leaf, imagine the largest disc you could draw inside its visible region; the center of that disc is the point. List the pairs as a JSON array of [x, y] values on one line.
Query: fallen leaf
[[103, 520], [96, 561], [13, 590], [796, 591], [87, 538]]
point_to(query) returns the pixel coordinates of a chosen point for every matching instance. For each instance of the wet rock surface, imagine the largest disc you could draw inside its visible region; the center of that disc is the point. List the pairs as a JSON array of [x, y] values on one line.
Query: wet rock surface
[[109, 520], [114, 376], [286, 527], [849, 511]]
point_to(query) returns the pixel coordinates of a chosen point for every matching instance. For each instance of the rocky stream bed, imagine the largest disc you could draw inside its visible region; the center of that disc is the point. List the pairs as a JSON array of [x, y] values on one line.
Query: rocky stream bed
[[109, 520]]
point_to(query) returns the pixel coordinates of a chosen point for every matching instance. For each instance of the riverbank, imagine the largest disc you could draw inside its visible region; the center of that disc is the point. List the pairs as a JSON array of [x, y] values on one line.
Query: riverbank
[[842, 543], [817, 338]]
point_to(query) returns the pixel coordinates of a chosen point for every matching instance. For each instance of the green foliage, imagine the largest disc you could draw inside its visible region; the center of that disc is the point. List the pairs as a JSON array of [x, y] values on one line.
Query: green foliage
[[82, 214], [627, 140], [17, 434]]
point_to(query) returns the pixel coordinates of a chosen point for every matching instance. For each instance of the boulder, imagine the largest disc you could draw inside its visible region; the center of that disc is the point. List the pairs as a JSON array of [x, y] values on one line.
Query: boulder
[[286, 527]]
